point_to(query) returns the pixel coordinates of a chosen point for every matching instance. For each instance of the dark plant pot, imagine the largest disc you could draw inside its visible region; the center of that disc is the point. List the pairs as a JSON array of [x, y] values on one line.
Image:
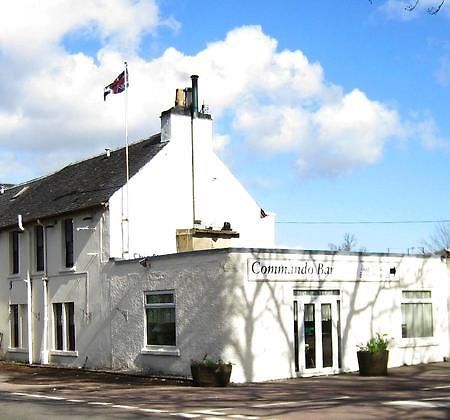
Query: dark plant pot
[[373, 363], [214, 375]]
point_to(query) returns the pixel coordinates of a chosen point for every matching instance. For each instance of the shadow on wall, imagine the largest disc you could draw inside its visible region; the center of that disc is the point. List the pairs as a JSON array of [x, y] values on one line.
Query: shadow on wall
[[221, 297], [221, 313]]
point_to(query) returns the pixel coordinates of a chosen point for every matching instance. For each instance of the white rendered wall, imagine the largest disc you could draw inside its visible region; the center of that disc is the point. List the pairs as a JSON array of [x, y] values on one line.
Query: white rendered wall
[[160, 195], [222, 312], [367, 307], [81, 285]]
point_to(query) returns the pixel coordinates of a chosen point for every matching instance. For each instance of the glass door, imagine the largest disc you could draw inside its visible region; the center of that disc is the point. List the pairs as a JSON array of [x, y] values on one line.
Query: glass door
[[316, 336]]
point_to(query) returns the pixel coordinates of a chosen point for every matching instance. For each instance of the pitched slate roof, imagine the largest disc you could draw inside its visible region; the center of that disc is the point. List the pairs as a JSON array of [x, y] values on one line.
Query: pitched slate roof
[[80, 185]]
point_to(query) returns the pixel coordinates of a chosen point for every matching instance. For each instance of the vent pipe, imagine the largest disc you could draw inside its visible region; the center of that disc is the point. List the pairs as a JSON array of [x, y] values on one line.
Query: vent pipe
[[194, 104], [20, 223]]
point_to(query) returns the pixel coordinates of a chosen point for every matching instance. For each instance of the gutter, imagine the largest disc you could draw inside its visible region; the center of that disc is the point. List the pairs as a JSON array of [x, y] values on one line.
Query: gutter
[[29, 296]]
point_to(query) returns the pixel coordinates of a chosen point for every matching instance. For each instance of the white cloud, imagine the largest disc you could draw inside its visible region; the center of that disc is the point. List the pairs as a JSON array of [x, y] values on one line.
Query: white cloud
[[12, 169], [427, 132], [277, 101], [31, 27], [443, 72]]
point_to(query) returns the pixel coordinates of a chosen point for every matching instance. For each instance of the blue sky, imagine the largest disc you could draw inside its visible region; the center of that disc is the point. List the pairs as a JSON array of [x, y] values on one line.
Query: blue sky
[[326, 111]]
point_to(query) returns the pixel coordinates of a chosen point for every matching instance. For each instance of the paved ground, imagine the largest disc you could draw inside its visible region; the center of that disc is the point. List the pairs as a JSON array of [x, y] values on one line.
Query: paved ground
[[408, 392]]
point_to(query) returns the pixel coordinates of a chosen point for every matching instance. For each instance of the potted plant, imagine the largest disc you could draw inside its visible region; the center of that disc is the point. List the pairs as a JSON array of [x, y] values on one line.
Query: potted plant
[[373, 356], [210, 372]]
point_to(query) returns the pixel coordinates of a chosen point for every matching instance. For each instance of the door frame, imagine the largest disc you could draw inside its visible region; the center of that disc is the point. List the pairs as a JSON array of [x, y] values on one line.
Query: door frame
[[317, 297]]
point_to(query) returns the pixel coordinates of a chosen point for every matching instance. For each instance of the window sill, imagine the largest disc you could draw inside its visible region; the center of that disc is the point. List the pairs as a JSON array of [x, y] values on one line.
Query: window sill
[[418, 342], [14, 277], [38, 273], [161, 350], [17, 350], [68, 270], [66, 353]]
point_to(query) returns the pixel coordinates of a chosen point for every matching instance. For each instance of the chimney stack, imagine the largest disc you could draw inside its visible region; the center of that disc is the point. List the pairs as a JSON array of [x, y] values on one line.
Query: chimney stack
[[194, 104]]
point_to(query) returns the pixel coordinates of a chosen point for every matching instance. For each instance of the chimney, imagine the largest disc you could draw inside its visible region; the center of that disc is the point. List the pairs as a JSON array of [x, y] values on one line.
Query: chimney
[[194, 104], [180, 98]]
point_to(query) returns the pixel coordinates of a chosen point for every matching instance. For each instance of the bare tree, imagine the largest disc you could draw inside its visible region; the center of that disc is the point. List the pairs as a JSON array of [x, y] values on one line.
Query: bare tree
[[431, 10], [440, 239], [348, 243]]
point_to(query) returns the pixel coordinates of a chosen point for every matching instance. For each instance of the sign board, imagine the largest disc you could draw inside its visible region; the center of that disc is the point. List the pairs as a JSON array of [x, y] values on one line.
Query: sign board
[[322, 268]]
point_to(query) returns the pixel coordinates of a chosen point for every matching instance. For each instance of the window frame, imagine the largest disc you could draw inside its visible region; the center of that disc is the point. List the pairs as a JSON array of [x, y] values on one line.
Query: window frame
[[153, 348], [18, 326], [425, 299], [64, 337]]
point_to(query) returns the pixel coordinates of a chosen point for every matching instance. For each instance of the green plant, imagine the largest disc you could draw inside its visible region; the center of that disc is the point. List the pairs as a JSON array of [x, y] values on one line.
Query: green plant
[[376, 344], [210, 363]]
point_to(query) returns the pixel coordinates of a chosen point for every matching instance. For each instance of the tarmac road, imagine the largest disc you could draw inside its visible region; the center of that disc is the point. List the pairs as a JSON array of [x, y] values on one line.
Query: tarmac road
[[419, 392]]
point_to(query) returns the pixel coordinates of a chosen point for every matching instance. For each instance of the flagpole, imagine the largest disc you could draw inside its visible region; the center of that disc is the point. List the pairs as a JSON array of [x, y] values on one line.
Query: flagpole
[[126, 234]]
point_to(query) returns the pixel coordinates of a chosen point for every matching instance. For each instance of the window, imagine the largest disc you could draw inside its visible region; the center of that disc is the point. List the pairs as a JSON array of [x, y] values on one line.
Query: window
[[64, 326], [14, 238], [160, 316], [68, 242], [39, 238], [18, 325], [417, 314]]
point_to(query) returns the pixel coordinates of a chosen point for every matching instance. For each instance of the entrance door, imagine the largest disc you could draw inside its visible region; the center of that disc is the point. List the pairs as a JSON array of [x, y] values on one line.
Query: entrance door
[[317, 324]]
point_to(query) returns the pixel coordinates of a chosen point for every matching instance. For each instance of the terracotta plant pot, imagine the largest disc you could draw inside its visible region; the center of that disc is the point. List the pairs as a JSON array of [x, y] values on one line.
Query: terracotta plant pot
[[211, 375], [373, 363]]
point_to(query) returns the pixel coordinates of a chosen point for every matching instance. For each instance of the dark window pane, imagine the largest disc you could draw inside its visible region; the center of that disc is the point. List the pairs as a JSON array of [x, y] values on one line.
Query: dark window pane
[[68, 237], [15, 326], [39, 248], [159, 298], [297, 366], [310, 336], [57, 313], [327, 337], [161, 326], [15, 252], [70, 326]]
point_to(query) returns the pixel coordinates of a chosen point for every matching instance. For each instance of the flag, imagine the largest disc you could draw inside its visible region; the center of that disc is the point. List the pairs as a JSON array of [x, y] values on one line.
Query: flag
[[117, 86]]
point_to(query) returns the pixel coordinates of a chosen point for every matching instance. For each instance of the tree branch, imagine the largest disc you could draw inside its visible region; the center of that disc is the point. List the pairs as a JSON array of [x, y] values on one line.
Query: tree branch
[[434, 10], [411, 7], [430, 10]]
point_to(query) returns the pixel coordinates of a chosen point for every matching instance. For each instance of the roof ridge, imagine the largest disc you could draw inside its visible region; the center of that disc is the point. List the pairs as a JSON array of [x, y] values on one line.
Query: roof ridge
[[24, 183], [78, 185]]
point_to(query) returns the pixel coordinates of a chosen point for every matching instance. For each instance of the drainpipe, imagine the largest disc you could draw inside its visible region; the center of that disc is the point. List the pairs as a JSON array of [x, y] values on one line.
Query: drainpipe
[[30, 319], [29, 298], [194, 112], [44, 352]]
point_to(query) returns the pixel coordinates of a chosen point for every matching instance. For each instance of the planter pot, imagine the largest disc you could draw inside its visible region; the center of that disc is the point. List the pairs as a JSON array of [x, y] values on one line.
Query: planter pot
[[373, 363], [214, 375]]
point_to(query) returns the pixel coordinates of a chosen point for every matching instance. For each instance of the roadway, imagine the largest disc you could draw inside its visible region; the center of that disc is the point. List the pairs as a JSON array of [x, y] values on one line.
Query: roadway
[[50, 393]]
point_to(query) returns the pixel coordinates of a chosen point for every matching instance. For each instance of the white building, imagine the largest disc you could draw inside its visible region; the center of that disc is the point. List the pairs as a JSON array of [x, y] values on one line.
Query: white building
[[277, 313], [92, 278]]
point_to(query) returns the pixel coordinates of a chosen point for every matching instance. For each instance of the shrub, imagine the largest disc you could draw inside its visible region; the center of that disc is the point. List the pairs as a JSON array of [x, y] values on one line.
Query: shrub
[[209, 362], [376, 344]]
